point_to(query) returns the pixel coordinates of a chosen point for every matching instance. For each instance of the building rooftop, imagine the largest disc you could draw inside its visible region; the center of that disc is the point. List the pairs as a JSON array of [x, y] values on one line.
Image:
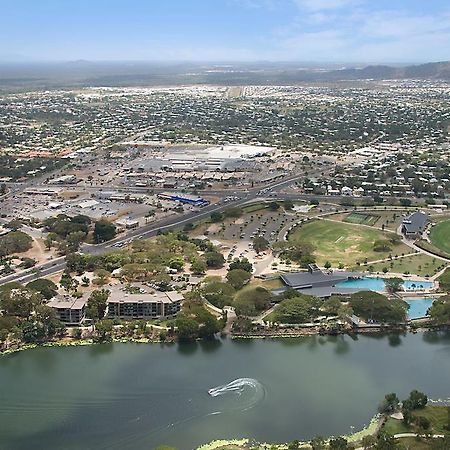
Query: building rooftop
[[67, 302], [119, 295], [416, 222], [316, 278]]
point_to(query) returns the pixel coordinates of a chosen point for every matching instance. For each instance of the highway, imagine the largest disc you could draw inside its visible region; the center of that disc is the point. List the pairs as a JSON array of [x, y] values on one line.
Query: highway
[[271, 194]]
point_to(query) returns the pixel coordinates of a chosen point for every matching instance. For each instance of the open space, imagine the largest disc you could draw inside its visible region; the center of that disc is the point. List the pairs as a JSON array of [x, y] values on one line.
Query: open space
[[344, 243], [440, 236], [422, 265]]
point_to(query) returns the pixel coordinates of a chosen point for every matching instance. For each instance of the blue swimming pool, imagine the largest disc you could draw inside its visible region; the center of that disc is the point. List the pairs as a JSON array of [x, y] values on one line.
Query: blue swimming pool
[[377, 284], [418, 307]]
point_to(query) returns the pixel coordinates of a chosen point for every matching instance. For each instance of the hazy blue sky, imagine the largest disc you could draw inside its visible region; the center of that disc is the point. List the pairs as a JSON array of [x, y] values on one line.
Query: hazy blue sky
[[304, 30]]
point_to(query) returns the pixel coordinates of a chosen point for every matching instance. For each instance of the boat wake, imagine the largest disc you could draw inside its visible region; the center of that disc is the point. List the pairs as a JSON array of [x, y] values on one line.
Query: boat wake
[[241, 394]]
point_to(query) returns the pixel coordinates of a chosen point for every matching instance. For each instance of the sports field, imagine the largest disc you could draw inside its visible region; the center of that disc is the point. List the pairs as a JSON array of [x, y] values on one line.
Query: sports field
[[344, 243], [440, 236], [362, 218]]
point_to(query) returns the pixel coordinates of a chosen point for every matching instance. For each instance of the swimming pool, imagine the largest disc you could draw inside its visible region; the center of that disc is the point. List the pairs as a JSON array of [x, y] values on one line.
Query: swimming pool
[[377, 284], [418, 307]]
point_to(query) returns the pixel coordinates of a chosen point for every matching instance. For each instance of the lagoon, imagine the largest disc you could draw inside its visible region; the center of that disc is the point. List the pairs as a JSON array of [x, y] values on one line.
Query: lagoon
[[139, 396]]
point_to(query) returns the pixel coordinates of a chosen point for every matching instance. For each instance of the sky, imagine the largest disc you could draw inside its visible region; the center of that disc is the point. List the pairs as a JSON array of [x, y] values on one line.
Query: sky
[[226, 30]]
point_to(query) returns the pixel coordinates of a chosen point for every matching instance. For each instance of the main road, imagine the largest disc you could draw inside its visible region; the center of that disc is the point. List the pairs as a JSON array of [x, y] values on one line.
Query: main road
[[271, 192]]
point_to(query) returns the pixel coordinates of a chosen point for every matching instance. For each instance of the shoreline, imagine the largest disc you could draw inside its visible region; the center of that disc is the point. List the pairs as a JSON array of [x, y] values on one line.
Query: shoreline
[[373, 427], [238, 336]]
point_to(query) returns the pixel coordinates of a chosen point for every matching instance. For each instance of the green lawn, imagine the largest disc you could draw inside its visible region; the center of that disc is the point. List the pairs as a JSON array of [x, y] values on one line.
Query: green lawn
[[422, 265], [437, 415], [344, 243], [394, 426], [440, 235]]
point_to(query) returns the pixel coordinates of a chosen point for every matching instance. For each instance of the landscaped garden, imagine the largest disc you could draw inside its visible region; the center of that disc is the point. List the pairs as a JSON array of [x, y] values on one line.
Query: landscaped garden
[[420, 264]]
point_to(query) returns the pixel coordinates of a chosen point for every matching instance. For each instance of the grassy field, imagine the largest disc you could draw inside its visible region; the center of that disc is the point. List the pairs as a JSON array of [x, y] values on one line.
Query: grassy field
[[437, 415], [440, 235], [422, 265], [344, 243], [362, 218]]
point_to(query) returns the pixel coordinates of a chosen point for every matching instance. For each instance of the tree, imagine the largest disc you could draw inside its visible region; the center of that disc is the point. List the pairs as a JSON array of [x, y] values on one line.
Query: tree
[[260, 244], [416, 400], [318, 443], [238, 278], [74, 240], [369, 442], [386, 442], [15, 242], [14, 225], [382, 245], [440, 310], [219, 293], [251, 301], [327, 265], [198, 266], [176, 263], [187, 328], [338, 443], [288, 205], [216, 217], [377, 307], [393, 284], [300, 309], [274, 206], [389, 404], [103, 330], [332, 305], [104, 231], [405, 202], [18, 301], [45, 287], [102, 277], [76, 262], [214, 260], [243, 264], [96, 304]]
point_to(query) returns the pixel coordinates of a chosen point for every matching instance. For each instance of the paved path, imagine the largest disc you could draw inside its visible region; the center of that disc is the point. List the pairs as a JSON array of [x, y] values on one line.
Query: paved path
[[421, 250]]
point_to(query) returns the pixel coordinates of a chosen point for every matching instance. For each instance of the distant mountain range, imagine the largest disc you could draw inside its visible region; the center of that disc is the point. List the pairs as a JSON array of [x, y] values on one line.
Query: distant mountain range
[[432, 71], [87, 73]]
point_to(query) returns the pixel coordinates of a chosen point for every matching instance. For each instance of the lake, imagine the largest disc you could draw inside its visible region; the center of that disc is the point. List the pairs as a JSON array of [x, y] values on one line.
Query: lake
[[139, 396]]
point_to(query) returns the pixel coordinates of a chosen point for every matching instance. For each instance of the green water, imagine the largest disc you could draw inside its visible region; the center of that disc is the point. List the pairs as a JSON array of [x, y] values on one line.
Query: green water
[[138, 396]]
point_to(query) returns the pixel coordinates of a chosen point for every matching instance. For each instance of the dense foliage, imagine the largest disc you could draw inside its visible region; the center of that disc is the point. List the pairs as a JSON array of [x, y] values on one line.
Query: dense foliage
[[14, 242], [378, 308]]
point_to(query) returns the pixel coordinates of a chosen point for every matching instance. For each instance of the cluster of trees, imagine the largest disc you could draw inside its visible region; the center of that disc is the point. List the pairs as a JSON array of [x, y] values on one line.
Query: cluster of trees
[[195, 321], [372, 306], [440, 310], [24, 316], [297, 251], [66, 233], [410, 408], [14, 242], [149, 260], [299, 308], [222, 293]]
